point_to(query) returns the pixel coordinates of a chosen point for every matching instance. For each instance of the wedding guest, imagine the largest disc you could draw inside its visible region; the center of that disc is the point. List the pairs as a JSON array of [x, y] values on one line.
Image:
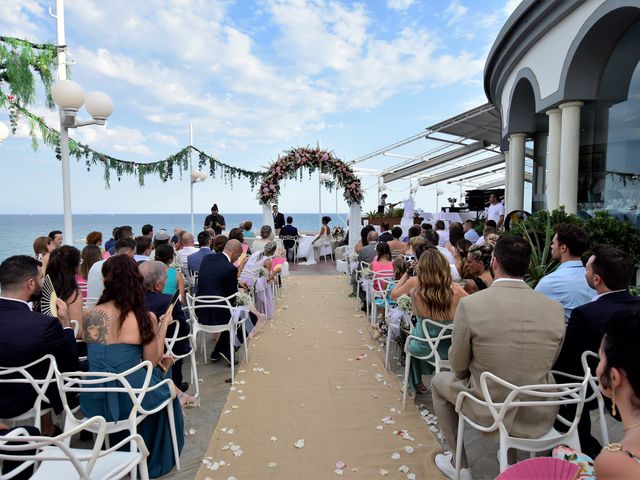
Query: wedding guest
[[247, 232], [397, 246], [63, 266], [414, 242], [478, 266], [143, 248], [363, 242], [288, 231], [218, 243], [215, 220], [278, 219], [120, 333], [433, 238], [174, 280], [94, 238], [382, 264], [188, 247], [195, 259], [125, 231], [161, 237], [176, 241], [368, 253], [265, 237], [619, 376], [147, 230], [443, 233], [95, 285], [385, 234], [489, 229], [456, 233], [462, 249], [436, 298], [177, 235], [27, 336], [112, 241], [470, 232], [236, 234], [89, 255], [414, 231], [408, 281], [42, 248], [56, 238]]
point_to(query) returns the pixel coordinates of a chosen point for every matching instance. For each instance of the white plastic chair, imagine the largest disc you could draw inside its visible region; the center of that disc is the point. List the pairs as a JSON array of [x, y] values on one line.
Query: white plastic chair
[[294, 248], [360, 279], [433, 357], [21, 375], [528, 396], [377, 298], [117, 383], [90, 302], [52, 458], [169, 344], [322, 245], [215, 302], [342, 261]]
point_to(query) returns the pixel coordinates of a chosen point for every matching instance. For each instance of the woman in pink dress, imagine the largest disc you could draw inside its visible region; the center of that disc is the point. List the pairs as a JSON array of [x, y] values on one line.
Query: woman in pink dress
[[382, 265]]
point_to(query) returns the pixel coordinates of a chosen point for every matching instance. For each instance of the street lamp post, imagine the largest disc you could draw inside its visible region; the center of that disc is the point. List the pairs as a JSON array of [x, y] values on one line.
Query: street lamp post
[[69, 96]]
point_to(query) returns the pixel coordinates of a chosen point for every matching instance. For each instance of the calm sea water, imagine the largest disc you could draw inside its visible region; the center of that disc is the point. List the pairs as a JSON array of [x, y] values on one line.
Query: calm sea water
[[17, 232]]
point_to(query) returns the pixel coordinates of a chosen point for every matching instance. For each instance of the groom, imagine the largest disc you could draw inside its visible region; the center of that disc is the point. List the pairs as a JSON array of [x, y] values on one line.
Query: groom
[[278, 220]]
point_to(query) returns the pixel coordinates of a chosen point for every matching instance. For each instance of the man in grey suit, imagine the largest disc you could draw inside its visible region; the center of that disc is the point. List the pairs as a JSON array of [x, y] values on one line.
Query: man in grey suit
[[509, 330]]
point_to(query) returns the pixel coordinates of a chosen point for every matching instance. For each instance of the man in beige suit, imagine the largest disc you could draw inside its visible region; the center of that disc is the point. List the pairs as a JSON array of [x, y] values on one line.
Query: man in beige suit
[[509, 330]]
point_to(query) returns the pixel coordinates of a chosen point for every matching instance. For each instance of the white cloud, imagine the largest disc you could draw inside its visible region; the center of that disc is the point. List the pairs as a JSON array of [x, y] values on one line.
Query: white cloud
[[120, 139], [455, 12], [399, 5]]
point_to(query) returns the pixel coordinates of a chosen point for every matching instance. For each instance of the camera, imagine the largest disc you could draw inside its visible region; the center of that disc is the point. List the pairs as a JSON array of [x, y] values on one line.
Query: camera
[[410, 263]]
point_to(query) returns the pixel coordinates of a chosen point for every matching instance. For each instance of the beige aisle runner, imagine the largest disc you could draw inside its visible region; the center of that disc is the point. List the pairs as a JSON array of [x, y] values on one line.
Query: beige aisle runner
[[315, 396]]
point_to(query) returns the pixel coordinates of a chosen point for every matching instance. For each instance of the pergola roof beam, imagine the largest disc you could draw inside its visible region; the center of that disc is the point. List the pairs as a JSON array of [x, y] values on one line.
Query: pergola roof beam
[[456, 172]]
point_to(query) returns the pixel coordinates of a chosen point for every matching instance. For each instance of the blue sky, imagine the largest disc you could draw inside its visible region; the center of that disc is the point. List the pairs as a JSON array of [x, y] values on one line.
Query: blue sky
[[255, 78]]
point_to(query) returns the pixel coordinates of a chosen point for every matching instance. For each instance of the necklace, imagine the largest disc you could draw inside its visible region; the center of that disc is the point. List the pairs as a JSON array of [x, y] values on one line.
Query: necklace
[[632, 426]]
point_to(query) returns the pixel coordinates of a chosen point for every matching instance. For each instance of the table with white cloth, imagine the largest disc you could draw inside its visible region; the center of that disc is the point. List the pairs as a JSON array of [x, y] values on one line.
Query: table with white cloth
[[305, 249]]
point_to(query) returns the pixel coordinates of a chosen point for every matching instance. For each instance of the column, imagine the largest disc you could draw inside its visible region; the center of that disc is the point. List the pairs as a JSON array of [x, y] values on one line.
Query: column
[[507, 180], [516, 171], [569, 155], [553, 159]]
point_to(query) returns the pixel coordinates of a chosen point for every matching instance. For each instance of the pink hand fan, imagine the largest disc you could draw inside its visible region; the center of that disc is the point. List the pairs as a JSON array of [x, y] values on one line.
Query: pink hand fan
[[540, 468]]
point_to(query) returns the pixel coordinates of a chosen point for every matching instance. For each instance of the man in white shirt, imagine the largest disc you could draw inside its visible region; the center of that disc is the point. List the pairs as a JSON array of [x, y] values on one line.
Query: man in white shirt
[[443, 233], [496, 210], [95, 282], [188, 247], [567, 284]]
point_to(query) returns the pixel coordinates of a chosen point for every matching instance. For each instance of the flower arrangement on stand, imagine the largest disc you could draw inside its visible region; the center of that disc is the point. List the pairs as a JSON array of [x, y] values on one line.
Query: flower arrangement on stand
[[337, 233], [290, 166]]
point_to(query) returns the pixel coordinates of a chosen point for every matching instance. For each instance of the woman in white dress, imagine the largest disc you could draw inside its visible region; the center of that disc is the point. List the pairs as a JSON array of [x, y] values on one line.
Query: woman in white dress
[[323, 240]]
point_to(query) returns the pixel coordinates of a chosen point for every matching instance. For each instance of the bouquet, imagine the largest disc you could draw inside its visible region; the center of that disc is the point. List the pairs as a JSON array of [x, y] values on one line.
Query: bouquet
[[366, 273], [263, 272], [278, 268], [404, 303], [337, 232], [354, 256], [243, 300]]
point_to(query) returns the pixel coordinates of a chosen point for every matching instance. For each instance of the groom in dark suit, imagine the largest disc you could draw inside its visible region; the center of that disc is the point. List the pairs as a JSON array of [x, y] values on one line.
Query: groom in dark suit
[[608, 272], [218, 276], [278, 219], [26, 336]]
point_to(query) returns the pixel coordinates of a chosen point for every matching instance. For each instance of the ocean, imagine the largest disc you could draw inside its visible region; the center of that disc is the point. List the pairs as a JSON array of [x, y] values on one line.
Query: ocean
[[17, 232]]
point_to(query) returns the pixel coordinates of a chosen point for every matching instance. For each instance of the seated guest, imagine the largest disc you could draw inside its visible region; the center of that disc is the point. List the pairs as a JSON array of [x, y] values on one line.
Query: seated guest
[[177, 236], [456, 233], [89, 255], [188, 247], [509, 330], [489, 229], [469, 232], [56, 238], [363, 242], [608, 272], [143, 248], [124, 231], [408, 281], [385, 234], [436, 297], [478, 266], [157, 301], [397, 246], [567, 284], [95, 238], [382, 264], [62, 269], [619, 376], [433, 238], [161, 237], [42, 248], [368, 253], [266, 234], [27, 336], [218, 243], [174, 281], [414, 242], [219, 277], [462, 249], [288, 231], [236, 234], [246, 229], [147, 230], [95, 285], [112, 241], [195, 259], [443, 233], [121, 333]]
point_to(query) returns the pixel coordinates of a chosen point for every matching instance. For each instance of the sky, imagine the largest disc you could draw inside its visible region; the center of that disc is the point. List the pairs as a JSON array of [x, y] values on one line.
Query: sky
[[256, 78]]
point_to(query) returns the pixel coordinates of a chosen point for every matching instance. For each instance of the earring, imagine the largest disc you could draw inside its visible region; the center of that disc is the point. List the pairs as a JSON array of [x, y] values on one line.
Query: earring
[[613, 401]]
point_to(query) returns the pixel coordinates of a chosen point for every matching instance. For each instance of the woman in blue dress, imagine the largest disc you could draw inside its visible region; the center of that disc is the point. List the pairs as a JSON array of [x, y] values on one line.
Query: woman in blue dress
[[120, 333], [436, 297]]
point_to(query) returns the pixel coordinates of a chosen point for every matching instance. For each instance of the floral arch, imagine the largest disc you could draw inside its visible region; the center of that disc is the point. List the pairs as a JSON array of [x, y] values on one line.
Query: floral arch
[[290, 166]]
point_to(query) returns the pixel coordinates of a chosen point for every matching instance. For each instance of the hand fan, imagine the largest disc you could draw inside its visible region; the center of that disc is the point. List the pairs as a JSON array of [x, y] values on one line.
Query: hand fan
[[541, 467], [49, 297]]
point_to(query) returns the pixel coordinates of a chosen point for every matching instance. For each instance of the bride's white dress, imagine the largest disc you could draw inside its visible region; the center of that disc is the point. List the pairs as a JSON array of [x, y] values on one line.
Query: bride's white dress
[[323, 243]]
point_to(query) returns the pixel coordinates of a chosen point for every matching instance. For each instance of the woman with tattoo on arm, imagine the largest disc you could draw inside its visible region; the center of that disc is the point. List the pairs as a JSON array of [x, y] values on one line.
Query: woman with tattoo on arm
[[120, 333]]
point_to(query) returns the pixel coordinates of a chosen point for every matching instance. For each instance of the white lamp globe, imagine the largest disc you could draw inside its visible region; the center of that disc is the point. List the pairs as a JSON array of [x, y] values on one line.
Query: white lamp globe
[[324, 177], [204, 176], [99, 105], [4, 132], [68, 95]]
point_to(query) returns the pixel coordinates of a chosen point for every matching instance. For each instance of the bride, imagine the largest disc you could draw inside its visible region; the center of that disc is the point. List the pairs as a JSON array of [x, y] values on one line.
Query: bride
[[323, 240]]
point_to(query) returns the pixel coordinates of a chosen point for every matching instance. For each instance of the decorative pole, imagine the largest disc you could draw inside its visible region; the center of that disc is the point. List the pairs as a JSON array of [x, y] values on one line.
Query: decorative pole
[[193, 232]]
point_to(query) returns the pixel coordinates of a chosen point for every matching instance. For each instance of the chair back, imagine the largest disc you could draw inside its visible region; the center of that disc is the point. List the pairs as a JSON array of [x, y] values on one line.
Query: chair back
[[382, 281], [44, 452], [90, 302], [203, 302], [445, 332], [171, 340], [341, 252], [23, 376]]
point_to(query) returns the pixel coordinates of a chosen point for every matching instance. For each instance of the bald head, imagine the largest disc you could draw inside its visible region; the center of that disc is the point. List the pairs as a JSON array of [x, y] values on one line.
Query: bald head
[[233, 249], [188, 240]]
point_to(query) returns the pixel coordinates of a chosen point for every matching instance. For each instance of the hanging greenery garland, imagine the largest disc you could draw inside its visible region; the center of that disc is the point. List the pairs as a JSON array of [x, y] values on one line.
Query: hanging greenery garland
[[289, 166]]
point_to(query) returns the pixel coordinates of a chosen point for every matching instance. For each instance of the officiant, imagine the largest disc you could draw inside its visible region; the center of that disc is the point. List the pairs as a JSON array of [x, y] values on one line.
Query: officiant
[[278, 219], [215, 220]]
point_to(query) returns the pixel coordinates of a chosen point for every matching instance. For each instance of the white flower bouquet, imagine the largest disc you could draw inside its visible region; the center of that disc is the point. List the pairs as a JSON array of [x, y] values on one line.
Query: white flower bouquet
[[263, 272], [243, 300], [404, 303]]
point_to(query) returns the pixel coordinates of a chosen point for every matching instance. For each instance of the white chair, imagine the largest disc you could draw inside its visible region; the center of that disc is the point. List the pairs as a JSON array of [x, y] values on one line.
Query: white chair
[[215, 302], [444, 333], [169, 344], [342, 261], [22, 376], [380, 286], [362, 283], [52, 458], [83, 286], [322, 245], [90, 302], [117, 384], [294, 248], [528, 396]]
